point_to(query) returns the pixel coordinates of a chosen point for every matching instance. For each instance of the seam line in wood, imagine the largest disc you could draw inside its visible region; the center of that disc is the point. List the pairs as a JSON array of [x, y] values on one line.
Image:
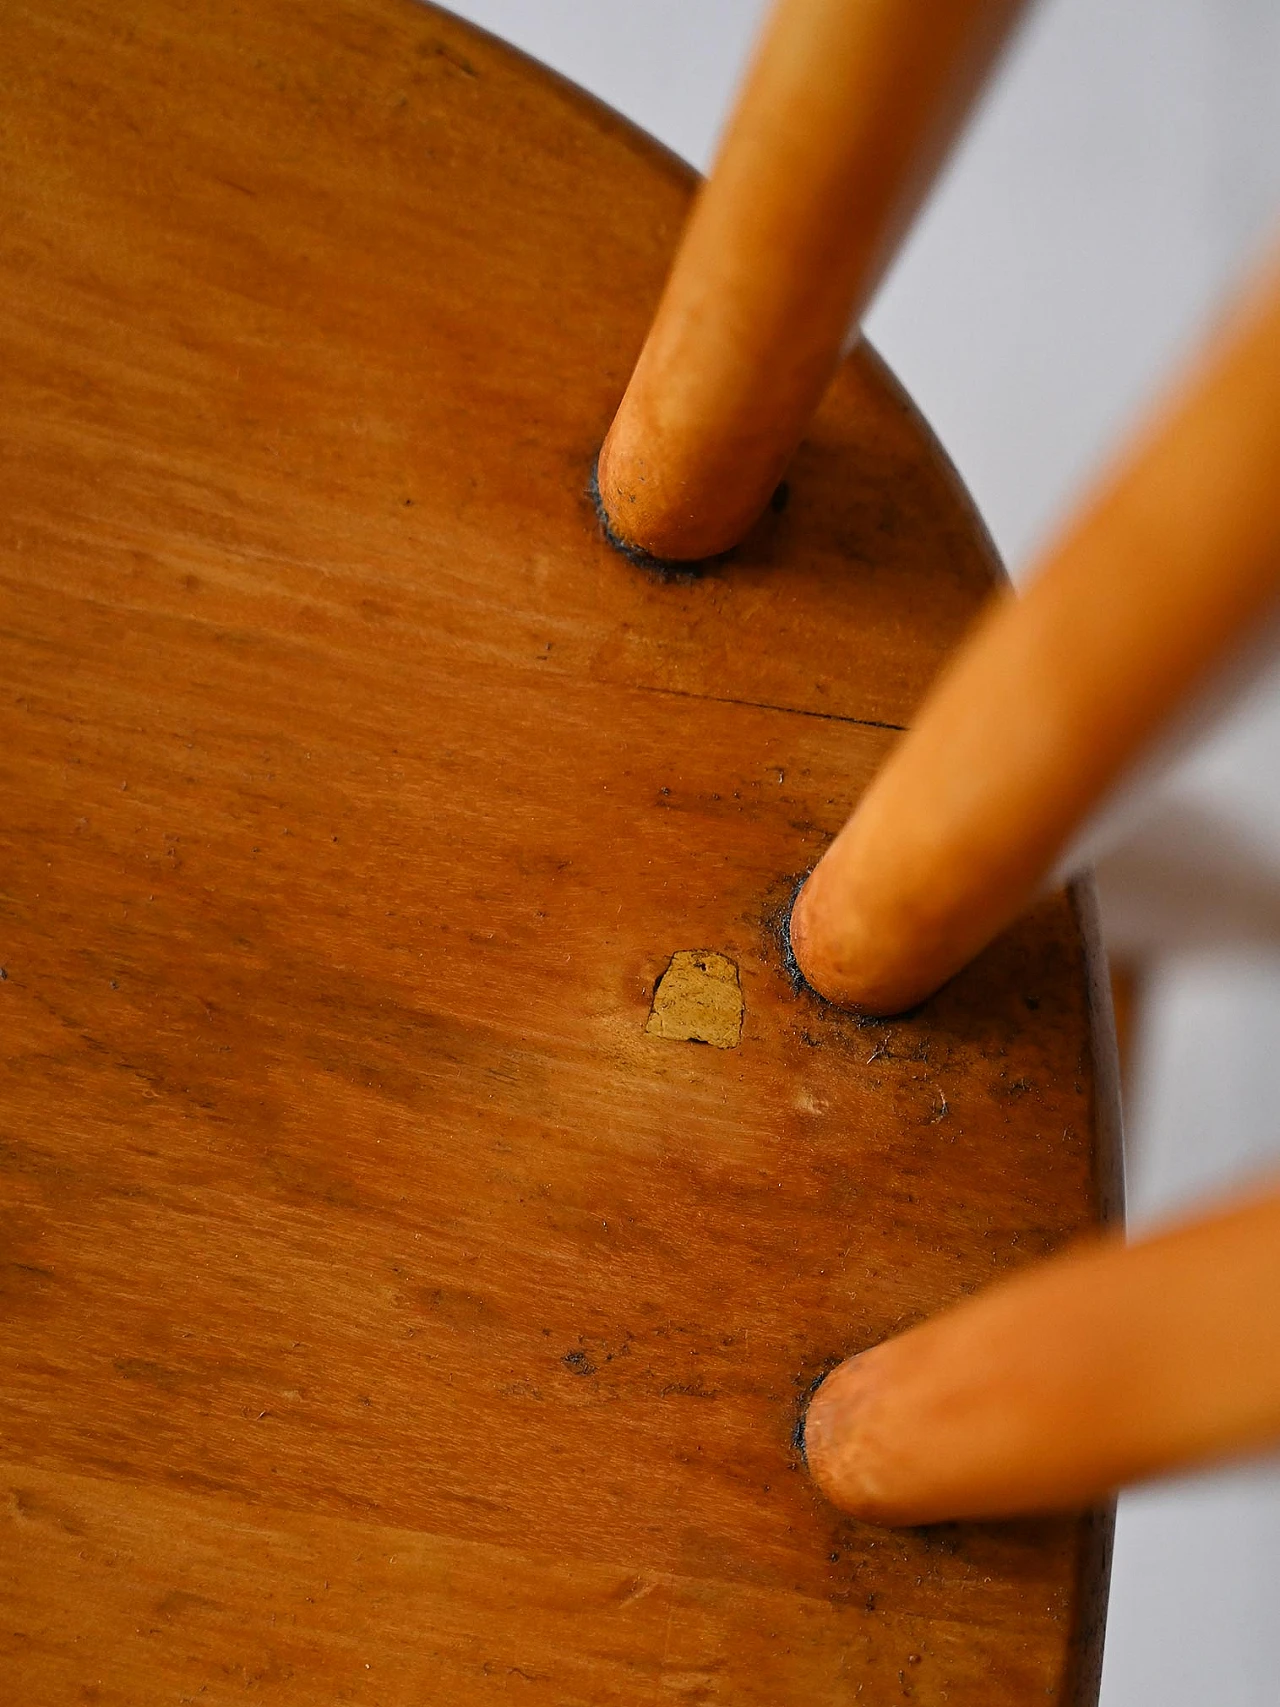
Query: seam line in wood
[[763, 705]]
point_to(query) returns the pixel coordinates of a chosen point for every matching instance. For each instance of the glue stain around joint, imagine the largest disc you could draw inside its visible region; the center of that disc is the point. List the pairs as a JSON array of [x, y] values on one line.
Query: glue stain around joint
[[698, 999]]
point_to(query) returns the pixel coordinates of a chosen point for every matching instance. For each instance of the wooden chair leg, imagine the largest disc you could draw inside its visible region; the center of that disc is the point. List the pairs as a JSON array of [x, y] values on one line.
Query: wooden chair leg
[[843, 121], [1103, 1366], [1052, 699]]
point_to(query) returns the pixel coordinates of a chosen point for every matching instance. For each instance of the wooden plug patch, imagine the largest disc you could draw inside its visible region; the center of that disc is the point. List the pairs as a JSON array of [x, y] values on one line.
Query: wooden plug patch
[[698, 1000]]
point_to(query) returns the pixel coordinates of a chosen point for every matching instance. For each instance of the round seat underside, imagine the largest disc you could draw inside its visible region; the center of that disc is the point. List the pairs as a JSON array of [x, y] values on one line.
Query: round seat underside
[[393, 1311]]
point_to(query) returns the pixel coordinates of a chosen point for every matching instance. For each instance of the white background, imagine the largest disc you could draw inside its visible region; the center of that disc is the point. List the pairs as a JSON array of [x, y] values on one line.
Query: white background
[[1122, 173]]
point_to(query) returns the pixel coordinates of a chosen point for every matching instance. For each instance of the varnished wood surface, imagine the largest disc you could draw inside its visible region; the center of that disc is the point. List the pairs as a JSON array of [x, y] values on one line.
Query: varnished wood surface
[[387, 1316]]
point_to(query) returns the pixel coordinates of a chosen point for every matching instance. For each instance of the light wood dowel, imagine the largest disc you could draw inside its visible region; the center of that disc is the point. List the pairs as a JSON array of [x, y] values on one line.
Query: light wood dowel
[[844, 118], [1099, 1368], [1056, 693]]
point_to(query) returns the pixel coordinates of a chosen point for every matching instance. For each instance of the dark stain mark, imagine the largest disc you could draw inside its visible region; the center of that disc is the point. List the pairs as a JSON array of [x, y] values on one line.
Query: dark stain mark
[[452, 57], [659, 567], [139, 1369], [689, 1389], [782, 933], [35, 1509], [457, 1307], [179, 1601], [805, 1398]]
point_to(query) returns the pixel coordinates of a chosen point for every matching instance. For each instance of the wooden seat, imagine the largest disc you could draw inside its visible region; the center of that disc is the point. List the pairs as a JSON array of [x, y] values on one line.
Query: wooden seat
[[393, 1313]]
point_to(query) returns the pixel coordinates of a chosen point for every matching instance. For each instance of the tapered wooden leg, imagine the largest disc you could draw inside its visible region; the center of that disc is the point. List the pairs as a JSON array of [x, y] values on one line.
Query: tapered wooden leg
[[843, 121], [1174, 561], [1099, 1368]]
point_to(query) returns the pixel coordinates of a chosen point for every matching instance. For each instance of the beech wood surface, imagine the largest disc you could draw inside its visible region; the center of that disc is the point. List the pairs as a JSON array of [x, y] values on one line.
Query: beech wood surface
[[389, 1316], [844, 118], [1172, 563]]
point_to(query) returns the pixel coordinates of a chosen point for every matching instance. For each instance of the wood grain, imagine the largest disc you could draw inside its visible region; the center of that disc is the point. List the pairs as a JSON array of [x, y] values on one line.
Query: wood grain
[[325, 1609], [355, 796]]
